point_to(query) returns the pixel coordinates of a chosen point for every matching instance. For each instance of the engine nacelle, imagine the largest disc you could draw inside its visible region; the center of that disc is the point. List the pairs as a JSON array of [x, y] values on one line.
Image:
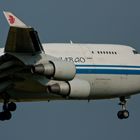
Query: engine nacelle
[[78, 89], [58, 70]]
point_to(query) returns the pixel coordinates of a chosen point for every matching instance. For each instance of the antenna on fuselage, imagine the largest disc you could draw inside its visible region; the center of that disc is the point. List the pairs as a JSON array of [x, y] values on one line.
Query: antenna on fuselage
[[71, 42]]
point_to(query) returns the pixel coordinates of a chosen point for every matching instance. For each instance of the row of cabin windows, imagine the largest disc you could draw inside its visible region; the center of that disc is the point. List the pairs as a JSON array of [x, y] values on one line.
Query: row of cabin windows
[[105, 52]]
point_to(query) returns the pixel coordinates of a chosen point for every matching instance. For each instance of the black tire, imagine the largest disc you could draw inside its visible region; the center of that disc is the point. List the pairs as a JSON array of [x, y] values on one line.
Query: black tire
[[125, 114], [2, 118], [120, 115], [7, 115], [12, 106]]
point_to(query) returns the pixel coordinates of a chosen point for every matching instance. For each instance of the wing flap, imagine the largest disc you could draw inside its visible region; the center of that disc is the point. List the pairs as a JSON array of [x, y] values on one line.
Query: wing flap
[[22, 40]]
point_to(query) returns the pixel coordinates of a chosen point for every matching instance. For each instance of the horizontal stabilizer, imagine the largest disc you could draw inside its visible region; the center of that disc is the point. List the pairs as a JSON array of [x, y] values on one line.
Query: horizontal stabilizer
[[14, 21]]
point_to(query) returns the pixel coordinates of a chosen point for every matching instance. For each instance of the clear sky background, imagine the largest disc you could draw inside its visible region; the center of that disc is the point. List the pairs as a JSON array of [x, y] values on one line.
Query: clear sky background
[[84, 21]]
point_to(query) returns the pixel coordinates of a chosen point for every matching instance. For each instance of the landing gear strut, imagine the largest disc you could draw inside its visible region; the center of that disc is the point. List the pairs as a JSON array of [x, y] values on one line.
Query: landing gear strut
[[123, 113], [7, 108]]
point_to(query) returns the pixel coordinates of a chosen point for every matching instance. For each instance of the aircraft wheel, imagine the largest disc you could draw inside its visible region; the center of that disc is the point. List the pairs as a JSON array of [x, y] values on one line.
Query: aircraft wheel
[[124, 114], [2, 116], [12, 106], [120, 114], [6, 115]]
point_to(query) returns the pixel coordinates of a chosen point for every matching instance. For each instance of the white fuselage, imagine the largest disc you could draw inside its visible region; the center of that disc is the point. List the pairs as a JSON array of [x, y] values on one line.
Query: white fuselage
[[112, 70]]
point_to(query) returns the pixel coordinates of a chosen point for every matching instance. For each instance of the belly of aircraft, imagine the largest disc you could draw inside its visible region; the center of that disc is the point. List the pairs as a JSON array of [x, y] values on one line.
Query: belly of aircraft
[[102, 87]]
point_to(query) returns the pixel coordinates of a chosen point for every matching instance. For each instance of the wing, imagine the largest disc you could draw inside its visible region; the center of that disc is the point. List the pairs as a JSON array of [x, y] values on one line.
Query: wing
[[25, 68], [21, 38], [22, 41]]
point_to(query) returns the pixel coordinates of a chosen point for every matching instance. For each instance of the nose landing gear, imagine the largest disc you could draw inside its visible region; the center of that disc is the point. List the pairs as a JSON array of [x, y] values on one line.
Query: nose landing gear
[[7, 108], [123, 113]]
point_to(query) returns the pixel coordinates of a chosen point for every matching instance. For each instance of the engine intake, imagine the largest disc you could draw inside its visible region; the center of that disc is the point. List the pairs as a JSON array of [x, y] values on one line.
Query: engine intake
[[77, 88], [58, 70]]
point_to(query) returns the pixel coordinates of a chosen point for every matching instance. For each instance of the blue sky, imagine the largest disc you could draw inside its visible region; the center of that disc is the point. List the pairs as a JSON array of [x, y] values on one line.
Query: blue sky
[[85, 21]]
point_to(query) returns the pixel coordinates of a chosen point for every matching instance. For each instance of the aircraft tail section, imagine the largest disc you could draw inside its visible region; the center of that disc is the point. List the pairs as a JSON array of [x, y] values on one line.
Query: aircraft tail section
[[13, 20], [21, 38]]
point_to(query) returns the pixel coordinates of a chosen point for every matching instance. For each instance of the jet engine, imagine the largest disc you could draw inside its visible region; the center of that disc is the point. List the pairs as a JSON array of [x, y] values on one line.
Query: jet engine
[[58, 70], [77, 89]]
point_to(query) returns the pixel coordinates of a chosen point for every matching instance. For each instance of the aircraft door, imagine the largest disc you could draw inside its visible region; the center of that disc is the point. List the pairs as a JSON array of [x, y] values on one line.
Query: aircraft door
[[87, 55]]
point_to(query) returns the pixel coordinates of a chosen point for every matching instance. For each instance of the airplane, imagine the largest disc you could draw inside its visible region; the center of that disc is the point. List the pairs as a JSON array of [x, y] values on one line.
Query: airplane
[[31, 71]]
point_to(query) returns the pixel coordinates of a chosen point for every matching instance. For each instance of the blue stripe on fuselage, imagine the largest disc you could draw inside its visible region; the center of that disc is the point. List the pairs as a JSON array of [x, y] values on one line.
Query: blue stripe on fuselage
[[107, 71], [117, 66], [95, 69]]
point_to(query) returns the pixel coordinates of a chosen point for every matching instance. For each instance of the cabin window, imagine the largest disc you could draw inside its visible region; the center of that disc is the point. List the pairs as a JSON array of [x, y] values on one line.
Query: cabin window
[[106, 52]]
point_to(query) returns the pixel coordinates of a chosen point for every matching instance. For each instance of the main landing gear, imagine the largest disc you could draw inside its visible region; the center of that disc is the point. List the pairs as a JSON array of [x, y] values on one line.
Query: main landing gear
[[7, 108], [123, 113]]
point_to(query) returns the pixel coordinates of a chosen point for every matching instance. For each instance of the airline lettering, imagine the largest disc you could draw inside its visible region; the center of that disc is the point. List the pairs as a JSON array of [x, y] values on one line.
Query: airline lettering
[[74, 59]]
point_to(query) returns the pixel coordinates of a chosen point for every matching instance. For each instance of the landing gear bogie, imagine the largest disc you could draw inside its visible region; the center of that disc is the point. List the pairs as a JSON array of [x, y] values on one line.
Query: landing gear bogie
[[123, 113], [7, 108]]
